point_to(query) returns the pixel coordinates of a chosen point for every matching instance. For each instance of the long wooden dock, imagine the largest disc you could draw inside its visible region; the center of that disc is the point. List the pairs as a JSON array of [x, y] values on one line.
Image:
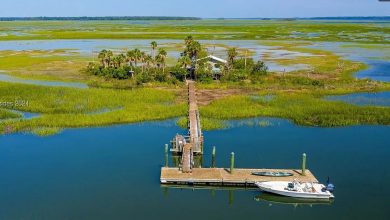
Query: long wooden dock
[[223, 177], [191, 144]]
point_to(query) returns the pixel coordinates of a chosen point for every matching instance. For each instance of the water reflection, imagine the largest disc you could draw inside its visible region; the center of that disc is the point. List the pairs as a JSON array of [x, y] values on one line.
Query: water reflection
[[230, 192], [296, 202]]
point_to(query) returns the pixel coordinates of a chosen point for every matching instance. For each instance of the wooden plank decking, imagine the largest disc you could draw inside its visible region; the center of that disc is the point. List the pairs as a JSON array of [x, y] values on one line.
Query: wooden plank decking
[[222, 177], [193, 119], [187, 159]]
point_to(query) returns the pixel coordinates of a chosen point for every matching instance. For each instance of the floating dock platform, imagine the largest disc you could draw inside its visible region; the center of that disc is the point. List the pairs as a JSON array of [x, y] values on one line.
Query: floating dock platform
[[223, 177]]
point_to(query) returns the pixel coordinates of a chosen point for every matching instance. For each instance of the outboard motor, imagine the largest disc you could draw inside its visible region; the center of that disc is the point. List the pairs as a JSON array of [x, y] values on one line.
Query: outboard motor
[[329, 186]]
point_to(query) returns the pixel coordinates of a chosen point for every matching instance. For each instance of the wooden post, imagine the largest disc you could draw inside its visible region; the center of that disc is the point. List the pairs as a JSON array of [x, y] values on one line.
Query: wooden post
[[303, 164], [231, 162], [231, 197], [165, 192], [166, 155], [213, 158], [213, 192]]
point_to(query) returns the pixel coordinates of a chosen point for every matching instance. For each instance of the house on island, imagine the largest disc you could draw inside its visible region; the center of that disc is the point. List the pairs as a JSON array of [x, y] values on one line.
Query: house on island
[[216, 64]]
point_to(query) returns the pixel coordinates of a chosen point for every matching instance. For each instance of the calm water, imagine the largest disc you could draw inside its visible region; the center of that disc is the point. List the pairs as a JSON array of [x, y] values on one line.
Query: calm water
[[378, 70], [378, 64], [14, 79], [113, 173], [375, 99]]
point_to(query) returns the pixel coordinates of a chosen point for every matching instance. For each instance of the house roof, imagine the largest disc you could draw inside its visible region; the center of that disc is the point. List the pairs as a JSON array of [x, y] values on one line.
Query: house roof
[[211, 57]]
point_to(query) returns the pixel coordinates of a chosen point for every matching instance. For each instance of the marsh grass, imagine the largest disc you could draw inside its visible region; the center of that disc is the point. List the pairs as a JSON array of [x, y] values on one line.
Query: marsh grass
[[69, 107], [61, 64], [303, 109], [5, 114], [325, 65], [297, 96], [44, 132], [202, 29]]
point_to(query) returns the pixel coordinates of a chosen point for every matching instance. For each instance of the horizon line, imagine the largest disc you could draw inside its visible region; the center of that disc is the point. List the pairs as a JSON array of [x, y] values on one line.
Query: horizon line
[[188, 17]]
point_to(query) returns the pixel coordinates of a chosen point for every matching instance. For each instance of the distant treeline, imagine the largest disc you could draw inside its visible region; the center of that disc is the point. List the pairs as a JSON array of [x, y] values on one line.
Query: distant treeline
[[369, 18], [109, 18]]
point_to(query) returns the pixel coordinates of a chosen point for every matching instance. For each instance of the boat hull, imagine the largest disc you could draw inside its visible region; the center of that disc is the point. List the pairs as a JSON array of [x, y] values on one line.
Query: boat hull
[[278, 189], [273, 174]]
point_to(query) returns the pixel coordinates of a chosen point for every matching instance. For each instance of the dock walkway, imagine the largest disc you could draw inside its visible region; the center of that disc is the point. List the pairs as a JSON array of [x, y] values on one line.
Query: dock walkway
[[186, 160], [223, 177], [195, 130], [192, 144]]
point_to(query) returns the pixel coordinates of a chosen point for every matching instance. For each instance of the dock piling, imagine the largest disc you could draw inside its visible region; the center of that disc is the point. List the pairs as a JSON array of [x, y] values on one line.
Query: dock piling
[[303, 164], [231, 197], [231, 162], [213, 157], [166, 155]]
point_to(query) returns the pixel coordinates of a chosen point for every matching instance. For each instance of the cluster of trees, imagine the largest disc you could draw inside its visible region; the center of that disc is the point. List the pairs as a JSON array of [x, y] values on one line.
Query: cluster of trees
[[135, 63], [146, 67], [236, 69], [243, 68]]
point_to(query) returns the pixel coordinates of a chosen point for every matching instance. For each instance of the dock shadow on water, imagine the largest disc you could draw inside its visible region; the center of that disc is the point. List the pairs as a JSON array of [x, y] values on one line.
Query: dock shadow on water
[[113, 172]]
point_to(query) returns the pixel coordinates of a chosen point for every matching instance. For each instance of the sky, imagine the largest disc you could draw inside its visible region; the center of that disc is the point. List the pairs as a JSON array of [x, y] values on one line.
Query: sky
[[195, 8]]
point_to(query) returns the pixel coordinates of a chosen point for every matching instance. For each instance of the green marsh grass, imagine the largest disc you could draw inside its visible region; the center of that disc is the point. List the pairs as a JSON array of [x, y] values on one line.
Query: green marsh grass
[[202, 29], [297, 96], [61, 64], [43, 132], [68, 107], [303, 109], [5, 114]]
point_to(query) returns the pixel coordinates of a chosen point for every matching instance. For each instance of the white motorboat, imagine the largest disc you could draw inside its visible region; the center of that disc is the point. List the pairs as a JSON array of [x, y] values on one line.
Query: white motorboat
[[296, 189]]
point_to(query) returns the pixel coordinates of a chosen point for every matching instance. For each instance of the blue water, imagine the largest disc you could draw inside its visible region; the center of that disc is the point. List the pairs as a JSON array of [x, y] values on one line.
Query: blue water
[[13, 79], [376, 59], [27, 115], [113, 173], [363, 99], [378, 70]]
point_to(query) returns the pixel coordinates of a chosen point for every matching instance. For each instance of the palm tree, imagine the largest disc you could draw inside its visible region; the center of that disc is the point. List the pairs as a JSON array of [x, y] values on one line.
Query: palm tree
[[130, 58], [108, 57], [137, 56], [142, 59], [184, 61], [188, 41], [153, 44], [102, 57], [232, 54], [161, 57], [118, 60], [194, 49], [246, 57], [105, 57], [148, 61]]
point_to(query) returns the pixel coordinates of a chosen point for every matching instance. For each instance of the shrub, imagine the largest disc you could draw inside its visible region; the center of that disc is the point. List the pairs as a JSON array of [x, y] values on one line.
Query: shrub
[[240, 63], [259, 69]]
